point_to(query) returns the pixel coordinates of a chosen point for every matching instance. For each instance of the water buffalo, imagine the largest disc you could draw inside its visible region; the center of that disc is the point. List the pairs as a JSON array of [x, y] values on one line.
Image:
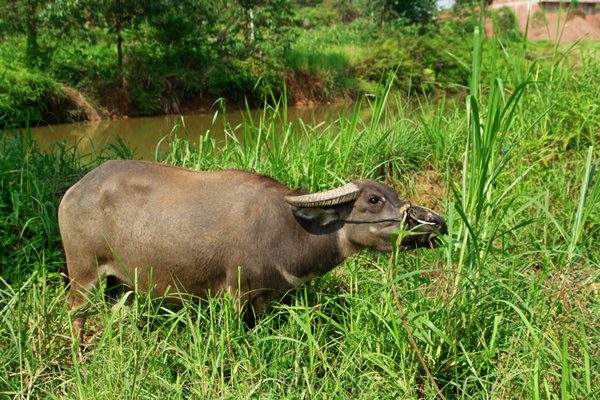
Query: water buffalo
[[207, 233]]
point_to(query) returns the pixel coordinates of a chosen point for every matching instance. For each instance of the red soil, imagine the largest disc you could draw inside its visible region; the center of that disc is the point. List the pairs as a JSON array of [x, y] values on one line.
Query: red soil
[[571, 27]]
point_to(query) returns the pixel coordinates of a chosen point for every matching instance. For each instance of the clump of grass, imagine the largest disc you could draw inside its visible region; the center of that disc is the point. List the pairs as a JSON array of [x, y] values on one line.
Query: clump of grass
[[489, 329], [301, 154]]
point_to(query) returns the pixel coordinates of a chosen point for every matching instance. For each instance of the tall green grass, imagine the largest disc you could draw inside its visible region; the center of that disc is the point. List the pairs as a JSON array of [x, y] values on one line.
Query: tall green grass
[[304, 154], [506, 308], [501, 324]]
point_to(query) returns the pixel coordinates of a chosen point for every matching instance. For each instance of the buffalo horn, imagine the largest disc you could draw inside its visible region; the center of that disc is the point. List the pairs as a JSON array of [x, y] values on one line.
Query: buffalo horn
[[343, 194]]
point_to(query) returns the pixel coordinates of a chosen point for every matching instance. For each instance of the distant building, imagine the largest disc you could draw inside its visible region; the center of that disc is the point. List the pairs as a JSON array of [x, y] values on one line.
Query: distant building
[[589, 6]]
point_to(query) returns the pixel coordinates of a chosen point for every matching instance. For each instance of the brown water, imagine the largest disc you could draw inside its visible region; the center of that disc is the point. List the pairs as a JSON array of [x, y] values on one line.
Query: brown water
[[145, 133]]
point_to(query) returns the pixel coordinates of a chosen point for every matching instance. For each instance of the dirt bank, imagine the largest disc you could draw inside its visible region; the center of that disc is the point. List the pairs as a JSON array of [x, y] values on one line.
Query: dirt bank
[[568, 27], [300, 90]]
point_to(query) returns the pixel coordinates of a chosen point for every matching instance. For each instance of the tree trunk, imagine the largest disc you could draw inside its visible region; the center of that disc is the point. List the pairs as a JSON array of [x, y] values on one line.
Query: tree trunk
[[32, 51], [119, 37], [383, 22], [251, 25], [246, 41]]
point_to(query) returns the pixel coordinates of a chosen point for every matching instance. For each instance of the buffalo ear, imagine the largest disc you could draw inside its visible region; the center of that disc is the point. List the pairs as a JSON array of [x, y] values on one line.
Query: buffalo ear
[[320, 215]]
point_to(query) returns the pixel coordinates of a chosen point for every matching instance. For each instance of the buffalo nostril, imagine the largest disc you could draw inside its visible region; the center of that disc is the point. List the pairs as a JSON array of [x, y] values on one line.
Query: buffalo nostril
[[441, 225]]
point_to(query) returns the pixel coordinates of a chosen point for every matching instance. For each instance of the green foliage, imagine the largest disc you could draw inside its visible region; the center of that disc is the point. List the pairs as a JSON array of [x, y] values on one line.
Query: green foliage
[[29, 179], [571, 124], [196, 51], [414, 11], [83, 64], [538, 19], [171, 53], [24, 17], [238, 80], [422, 63], [187, 23], [25, 95], [462, 24], [505, 21], [323, 15], [329, 69]]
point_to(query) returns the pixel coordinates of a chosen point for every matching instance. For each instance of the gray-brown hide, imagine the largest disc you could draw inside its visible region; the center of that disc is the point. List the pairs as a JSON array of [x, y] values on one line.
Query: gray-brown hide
[[206, 233]]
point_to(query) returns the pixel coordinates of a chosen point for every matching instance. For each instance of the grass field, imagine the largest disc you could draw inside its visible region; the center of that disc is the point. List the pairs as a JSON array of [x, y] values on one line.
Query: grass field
[[507, 308]]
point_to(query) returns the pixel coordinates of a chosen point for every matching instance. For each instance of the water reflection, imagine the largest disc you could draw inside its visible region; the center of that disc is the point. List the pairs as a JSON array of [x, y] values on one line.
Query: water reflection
[[145, 133]]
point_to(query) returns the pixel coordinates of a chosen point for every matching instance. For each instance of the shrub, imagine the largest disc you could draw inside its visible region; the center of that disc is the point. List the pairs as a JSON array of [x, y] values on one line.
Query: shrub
[[423, 62], [506, 22], [576, 12], [25, 95], [538, 19], [238, 80]]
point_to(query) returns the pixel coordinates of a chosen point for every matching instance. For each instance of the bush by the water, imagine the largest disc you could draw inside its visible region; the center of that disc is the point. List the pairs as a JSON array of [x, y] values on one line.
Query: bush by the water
[[26, 95]]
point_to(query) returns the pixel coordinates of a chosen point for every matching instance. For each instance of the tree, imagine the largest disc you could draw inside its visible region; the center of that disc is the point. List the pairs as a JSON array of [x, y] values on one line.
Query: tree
[[413, 11], [116, 15], [183, 22], [416, 11], [24, 16]]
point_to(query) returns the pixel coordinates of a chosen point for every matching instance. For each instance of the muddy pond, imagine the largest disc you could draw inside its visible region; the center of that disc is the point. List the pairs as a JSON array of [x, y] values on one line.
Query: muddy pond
[[145, 133]]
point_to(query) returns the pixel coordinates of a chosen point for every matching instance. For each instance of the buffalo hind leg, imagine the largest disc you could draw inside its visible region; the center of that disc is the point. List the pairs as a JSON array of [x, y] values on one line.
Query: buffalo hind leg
[[76, 299]]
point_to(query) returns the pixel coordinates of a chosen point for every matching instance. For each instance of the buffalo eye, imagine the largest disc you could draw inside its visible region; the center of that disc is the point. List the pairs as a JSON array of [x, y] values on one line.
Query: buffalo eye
[[374, 200]]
